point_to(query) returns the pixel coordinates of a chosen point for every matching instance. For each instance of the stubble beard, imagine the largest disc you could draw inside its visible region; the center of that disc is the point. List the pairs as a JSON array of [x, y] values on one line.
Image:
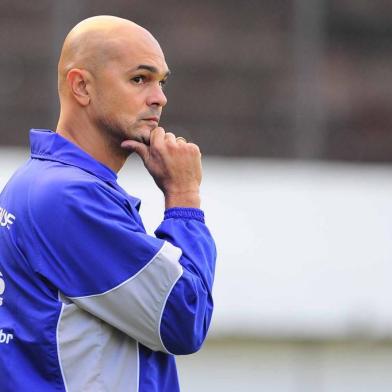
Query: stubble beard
[[115, 133], [118, 131]]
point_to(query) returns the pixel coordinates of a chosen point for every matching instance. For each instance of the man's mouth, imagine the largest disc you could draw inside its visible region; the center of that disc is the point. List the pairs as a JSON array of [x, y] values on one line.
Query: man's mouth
[[152, 119]]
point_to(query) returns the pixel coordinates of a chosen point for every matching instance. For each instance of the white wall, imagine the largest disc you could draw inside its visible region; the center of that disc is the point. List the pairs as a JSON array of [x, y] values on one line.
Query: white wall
[[304, 249]]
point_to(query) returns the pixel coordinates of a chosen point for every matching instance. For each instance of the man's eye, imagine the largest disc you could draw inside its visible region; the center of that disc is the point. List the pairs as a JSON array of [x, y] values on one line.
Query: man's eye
[[138, 79], [162, 83]]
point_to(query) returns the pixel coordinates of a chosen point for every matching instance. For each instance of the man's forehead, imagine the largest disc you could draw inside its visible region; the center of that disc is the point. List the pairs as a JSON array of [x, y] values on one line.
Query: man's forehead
[[141, 54]]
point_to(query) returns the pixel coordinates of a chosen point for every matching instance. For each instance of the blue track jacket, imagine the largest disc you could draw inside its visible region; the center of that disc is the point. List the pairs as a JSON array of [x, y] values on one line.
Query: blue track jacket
[[88, 300]]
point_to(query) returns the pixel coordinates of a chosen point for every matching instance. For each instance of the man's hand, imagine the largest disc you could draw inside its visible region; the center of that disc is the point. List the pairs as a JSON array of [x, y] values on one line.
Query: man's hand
[[175, 166]]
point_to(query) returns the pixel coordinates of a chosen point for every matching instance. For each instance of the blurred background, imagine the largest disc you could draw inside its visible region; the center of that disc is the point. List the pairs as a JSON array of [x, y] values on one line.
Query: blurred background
[[291, 104]]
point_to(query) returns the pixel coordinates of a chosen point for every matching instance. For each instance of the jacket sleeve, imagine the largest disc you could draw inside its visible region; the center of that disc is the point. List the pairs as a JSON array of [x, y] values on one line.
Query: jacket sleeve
[[188, 310], [91, 247]]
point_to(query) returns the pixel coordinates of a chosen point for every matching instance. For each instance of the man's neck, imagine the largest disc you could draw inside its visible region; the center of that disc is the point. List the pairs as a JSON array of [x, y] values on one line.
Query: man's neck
[[93, 143]]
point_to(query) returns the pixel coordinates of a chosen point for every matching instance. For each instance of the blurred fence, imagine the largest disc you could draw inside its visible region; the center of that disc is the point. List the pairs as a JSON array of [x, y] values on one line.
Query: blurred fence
[[287, 79]]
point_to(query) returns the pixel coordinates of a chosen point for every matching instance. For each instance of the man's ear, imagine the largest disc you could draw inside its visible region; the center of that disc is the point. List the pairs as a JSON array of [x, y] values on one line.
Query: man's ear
[[78, 80]]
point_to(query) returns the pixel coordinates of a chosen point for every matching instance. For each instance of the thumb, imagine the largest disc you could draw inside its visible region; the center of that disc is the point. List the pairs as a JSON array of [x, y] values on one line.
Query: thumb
[[140, 148]]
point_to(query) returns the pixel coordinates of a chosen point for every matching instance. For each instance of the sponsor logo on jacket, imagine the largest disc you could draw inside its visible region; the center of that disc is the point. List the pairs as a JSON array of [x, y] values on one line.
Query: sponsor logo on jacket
[[6, 218], [5, 337]]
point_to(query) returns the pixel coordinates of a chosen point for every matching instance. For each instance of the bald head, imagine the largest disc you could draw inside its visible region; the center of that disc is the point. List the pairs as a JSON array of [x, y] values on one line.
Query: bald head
[[95, 41], [111, 77]]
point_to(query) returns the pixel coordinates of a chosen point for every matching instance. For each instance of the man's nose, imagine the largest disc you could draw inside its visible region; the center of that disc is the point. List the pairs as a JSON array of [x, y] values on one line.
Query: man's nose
[[157, 97]]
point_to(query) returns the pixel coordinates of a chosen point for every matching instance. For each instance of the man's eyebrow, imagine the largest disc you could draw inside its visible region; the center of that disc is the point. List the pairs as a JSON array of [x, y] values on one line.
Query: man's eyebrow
[[150, 68]]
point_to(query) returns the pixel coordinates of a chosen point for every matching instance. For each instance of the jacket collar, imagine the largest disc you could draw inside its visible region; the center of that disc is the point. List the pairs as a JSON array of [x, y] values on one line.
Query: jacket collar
[[46, 144]]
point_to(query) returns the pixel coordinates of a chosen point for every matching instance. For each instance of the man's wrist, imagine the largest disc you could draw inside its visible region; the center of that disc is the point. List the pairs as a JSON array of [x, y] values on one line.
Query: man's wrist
[[182, 199]]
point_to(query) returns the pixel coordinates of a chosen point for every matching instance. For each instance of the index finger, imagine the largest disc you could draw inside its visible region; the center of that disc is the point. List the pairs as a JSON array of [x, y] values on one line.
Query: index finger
[[157, 135]]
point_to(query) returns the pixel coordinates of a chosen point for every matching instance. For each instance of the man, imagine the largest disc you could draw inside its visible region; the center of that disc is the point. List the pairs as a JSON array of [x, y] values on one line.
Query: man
[[89, 301]]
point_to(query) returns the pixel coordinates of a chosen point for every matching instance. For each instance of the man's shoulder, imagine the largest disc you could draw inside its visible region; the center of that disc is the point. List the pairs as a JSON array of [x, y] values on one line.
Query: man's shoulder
[[62, 178], [39, 181], [59, 183]]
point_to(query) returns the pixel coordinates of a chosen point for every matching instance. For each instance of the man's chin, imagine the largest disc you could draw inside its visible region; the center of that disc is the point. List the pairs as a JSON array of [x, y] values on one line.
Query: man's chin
[[141, 135]]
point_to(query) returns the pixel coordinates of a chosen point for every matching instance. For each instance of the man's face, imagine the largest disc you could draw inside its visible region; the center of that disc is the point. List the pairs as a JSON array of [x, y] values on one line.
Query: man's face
[[127, 97]]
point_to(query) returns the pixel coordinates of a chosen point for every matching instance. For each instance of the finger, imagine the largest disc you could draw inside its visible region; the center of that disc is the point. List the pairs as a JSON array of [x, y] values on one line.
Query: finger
[[140, 148], [169, 136], [194, 148], [180, 139], [157, 135]]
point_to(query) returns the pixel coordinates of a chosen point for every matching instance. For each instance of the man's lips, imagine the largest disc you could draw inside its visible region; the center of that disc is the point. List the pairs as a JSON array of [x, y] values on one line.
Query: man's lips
[[156, 119]]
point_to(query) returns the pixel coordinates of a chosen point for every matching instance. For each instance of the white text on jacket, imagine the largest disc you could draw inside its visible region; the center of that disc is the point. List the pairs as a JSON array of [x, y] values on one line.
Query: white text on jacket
[[6, 218]]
